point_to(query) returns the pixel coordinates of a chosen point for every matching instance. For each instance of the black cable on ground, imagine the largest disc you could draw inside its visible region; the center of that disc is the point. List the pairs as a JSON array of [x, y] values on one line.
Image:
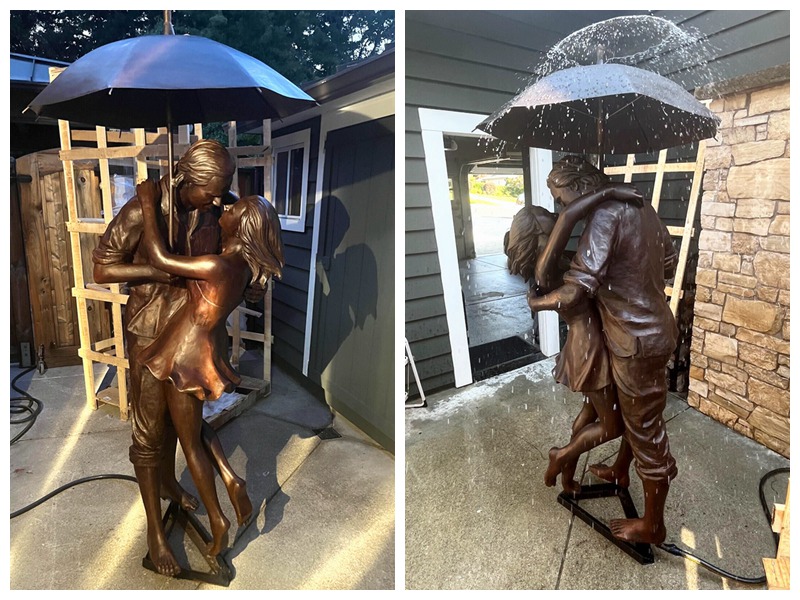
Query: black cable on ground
[[25, 405], [31, 407], [675, 550], [66, 486]]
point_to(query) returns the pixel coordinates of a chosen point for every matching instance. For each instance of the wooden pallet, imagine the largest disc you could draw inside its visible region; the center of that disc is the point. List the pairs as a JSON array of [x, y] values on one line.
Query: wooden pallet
[[777, 569], [140, 150]]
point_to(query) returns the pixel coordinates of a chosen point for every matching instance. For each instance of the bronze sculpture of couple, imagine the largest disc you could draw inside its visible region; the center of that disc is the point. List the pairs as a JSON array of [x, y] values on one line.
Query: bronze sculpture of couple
[[621, 330], [175, 331]]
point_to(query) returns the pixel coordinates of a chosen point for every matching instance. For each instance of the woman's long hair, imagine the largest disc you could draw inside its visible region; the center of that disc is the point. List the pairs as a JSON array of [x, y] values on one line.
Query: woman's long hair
[[528, 235], [260, 234]]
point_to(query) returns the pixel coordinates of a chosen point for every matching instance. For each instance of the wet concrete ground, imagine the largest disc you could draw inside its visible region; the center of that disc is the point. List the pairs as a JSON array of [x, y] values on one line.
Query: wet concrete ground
[[478, 515]]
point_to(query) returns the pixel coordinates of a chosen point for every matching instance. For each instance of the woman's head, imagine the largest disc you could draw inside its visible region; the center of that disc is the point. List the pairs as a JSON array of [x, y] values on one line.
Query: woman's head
[[528, 235], [574, 176], [259, 230]]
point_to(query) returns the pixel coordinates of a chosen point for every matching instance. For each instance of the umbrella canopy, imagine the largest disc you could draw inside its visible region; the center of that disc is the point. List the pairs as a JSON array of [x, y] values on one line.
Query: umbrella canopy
[[152, 81], [602, 109]]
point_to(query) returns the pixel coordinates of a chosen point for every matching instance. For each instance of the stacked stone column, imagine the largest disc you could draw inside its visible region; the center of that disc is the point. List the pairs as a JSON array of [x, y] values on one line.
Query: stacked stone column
[[740, 337]]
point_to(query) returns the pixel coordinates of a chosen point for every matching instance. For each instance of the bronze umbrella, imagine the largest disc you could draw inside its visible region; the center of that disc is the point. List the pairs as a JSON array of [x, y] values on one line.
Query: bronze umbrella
[[158, 80], [602, 109]]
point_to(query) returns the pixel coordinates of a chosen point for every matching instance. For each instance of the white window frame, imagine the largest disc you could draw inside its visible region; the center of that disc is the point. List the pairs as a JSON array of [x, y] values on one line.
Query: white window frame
[[287, 143]]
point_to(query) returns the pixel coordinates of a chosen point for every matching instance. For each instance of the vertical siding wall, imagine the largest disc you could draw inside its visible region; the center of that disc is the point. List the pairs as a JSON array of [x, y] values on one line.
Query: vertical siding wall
[[290, 297]]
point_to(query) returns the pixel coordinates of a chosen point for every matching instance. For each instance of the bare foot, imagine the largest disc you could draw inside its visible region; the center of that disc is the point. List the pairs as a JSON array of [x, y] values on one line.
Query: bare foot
[[219, 533], [171, 490], [638, 530], [161, 555], [553, 469], [241, 502], [607, 473], [570, 485]]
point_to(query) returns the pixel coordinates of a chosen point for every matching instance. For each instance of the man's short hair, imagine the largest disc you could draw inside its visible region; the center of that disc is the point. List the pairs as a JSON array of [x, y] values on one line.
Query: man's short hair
[[204, 160], [575, 173]]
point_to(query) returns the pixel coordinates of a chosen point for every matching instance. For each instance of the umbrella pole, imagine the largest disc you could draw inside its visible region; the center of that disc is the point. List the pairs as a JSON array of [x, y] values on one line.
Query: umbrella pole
[[171, 176], [601, 58], [169, 30]]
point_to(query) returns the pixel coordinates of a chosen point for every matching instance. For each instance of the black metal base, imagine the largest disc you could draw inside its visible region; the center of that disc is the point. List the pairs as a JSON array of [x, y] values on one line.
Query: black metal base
[[642, 553], [220, 573]]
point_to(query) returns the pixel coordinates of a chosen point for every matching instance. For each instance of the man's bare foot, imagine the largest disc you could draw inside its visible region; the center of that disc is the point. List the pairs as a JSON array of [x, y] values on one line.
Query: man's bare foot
[[219, 533], [241, 502], [161, 555], [171, 490], [638, 530], [607, 473], [553, 469]]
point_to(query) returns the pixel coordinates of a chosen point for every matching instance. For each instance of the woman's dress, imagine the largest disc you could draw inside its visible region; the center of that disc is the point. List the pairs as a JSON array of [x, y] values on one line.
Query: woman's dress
[[583, 364], [192, 349]]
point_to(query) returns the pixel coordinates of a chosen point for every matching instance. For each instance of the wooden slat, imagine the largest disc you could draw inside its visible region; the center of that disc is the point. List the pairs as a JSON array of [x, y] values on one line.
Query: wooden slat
[[101, 153], [107, 296], [629, 168], [651, 168], [694, 194], [116, 308], [116, 137], [75, 245], [103, 344], [84, 226], [248, 335], [662, 161], [676, 231], [108, 359]]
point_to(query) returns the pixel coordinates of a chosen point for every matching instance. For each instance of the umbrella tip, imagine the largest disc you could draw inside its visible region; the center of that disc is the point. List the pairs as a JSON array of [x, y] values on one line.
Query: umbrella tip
[[168, 28]]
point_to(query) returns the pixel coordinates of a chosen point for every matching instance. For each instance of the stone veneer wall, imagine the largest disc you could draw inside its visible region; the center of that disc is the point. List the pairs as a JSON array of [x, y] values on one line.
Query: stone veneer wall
[[739, 371]]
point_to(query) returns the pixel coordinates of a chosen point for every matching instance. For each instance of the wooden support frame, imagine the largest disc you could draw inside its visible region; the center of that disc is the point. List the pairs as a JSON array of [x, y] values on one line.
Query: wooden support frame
[[675, 291], [777, 569], [139, 149]]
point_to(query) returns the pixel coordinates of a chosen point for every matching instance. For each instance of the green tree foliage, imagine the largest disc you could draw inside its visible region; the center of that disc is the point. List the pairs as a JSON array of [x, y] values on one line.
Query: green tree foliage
[[514, 186], [301, 45], [69, 34]]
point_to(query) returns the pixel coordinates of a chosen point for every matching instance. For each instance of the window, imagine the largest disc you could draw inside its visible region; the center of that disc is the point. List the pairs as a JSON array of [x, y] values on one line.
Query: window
[[290, 178]]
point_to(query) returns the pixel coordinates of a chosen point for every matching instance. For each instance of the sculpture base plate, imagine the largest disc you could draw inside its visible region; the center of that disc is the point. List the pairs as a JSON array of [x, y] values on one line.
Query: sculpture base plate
[[642, 553], [220, 572]]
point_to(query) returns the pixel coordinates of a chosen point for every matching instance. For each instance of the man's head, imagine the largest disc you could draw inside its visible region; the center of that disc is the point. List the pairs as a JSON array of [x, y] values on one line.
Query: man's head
[[573, 176], [204, 174]]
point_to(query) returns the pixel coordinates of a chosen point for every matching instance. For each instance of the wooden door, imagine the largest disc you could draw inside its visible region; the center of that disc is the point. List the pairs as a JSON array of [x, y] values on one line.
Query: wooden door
[[49, 259]]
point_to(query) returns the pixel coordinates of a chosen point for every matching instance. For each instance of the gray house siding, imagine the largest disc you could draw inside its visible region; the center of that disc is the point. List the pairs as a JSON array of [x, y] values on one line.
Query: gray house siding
[[290, 295], [474, 61]]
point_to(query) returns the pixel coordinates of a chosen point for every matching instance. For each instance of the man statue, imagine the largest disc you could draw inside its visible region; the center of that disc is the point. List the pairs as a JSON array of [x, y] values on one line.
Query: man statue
[[623, 257], [202, 184]]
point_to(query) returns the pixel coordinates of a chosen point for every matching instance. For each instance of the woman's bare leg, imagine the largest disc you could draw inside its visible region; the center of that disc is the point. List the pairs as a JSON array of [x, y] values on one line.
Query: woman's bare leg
[[585, 417], [187, 416], [170, 488], [235, 485], [608, 427]]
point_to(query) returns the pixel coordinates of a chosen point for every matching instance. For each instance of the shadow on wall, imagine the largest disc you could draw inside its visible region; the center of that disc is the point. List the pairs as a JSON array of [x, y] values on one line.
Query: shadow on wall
[[344, 266]]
